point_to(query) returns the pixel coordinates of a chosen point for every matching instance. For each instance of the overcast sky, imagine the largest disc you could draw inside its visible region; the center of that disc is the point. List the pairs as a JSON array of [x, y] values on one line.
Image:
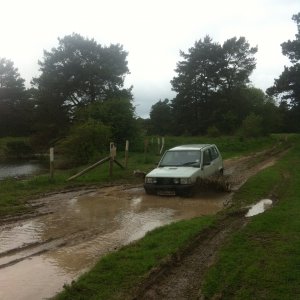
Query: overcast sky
[[152, 32]]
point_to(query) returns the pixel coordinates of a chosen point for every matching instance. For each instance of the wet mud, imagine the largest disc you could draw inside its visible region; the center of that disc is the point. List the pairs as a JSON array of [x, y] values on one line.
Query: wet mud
[[71, 231], [68, 232]]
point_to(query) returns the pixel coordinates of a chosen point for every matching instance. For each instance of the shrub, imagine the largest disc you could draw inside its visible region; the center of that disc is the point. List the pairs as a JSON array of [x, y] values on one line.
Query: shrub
[[213, 131], [18, 149], [85, 140], [251, 126]]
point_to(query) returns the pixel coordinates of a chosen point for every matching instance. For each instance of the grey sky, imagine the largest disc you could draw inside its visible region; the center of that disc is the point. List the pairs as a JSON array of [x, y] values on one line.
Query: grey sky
[[152, 32]]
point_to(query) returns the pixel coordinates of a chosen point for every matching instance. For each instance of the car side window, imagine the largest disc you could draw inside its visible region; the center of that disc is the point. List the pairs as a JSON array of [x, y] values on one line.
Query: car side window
[[214, 153], [206, 157]]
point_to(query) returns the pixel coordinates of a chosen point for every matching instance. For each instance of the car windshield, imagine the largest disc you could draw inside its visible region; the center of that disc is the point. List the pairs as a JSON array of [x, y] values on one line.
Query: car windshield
[[181, 158]]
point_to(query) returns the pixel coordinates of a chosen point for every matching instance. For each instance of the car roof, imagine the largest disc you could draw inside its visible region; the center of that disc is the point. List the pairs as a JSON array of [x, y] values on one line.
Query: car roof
[[191, 147]]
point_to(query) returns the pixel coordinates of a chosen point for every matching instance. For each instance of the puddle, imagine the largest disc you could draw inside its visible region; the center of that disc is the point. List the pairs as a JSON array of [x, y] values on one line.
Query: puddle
[[38, 256], [259, 207]]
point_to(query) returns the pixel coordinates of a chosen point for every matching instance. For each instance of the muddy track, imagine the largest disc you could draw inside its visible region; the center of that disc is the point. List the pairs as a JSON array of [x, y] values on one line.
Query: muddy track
[[65, 233], [181, 276]]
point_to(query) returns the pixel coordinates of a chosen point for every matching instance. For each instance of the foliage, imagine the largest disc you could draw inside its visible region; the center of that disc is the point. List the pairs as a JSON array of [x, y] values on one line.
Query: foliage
[[85, 140], [118, 115], [77, 73], [15, 107], [287, 86], [211, 86], [161, 118], [18, 149], [252, 126], [213, 131]]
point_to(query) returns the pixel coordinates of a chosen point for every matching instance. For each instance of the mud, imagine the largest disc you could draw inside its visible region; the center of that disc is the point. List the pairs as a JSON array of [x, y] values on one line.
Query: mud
[[68, 232], [181, 276]]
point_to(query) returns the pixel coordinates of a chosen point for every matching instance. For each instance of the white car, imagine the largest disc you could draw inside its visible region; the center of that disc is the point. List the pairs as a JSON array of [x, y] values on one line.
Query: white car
[[181, 167]]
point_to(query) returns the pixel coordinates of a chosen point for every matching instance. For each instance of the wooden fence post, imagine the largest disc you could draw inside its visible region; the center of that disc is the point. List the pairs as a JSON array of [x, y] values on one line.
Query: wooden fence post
[[162, 145], [113, 152], [126, 153], [51, 163], [158, 145]]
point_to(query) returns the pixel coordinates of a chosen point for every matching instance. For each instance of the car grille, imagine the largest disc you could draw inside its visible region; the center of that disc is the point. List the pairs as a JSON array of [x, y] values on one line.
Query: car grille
[[165, 181]]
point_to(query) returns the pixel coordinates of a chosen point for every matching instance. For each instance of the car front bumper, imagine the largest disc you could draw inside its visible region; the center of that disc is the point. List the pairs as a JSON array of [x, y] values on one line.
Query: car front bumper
[[178, 189]]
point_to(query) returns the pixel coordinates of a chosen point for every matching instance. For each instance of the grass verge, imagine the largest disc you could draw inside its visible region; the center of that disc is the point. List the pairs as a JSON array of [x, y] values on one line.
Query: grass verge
[[123, 270], [262, 261]]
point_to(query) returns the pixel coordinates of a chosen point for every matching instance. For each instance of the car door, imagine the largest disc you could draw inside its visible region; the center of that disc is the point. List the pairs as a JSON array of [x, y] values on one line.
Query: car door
[[208, 165]]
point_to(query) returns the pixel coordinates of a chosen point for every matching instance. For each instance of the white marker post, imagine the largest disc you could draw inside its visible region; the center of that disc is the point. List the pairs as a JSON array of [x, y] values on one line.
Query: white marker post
[[51, 163], [113, 153], [162, 145], [126, 153]]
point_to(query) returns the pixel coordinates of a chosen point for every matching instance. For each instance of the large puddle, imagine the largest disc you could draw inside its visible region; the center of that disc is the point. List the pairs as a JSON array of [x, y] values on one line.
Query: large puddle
[[38, 256], [18, 169]]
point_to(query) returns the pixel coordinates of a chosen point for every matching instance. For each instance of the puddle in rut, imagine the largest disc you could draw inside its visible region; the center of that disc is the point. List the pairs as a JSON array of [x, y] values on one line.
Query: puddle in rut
[[38, 256], [259, 207]]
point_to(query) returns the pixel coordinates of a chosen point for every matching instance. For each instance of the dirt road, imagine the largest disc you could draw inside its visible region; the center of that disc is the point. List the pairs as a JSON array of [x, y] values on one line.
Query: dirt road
[[181, 278], [68, 232]]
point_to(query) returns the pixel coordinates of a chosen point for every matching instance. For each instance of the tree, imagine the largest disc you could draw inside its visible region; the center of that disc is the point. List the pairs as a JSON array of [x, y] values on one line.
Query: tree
[[117, 114], [82, 71], [239, 63], [75, 74], [15, 108], [209, 73], [287, 86], [161, 118], [196, 81], [86, 140], [251, 126]]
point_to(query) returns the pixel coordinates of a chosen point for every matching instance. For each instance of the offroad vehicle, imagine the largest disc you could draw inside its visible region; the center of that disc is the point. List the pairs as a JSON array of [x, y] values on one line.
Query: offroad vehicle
[[181, 167]]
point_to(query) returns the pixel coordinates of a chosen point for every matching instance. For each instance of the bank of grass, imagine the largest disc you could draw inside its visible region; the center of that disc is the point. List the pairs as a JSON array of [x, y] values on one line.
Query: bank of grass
[[118, 272], [262, 261], [15, 193]]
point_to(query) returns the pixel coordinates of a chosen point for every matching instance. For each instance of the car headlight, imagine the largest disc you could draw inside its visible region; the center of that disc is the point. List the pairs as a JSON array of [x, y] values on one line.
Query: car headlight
[[150, 180], [185, 180]]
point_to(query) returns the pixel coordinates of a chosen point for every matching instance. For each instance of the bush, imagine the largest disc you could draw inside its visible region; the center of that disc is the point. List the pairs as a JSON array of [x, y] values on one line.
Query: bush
[[86, 140], [18, 149], [213, 131], [251, 126]]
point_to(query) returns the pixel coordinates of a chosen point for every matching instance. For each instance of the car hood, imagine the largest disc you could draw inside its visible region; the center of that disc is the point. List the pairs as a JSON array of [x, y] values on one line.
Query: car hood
[[173, 172]]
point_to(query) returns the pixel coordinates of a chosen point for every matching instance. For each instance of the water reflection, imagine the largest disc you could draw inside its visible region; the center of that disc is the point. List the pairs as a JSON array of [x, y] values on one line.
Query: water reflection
[[8, 170]]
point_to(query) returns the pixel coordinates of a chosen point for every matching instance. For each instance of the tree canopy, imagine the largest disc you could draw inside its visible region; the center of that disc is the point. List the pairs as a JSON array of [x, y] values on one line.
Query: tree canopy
[[15, 109], [287, 86], [77, 73], [206, 80]]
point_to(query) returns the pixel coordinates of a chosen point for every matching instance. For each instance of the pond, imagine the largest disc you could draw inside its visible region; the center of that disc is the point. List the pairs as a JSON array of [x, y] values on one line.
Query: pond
[[19, 169]]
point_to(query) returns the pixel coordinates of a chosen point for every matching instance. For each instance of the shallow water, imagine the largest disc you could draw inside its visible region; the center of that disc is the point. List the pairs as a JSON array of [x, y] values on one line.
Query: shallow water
[[259, 207], [39, 255], [18, 169]]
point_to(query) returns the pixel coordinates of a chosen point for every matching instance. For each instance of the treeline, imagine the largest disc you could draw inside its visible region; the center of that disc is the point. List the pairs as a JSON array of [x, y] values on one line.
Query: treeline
[[79, 99], [214, 94]]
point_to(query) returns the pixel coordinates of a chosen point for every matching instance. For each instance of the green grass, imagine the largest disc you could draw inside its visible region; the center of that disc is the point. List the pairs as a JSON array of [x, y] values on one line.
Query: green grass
[[121, 271], [262, 261]]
